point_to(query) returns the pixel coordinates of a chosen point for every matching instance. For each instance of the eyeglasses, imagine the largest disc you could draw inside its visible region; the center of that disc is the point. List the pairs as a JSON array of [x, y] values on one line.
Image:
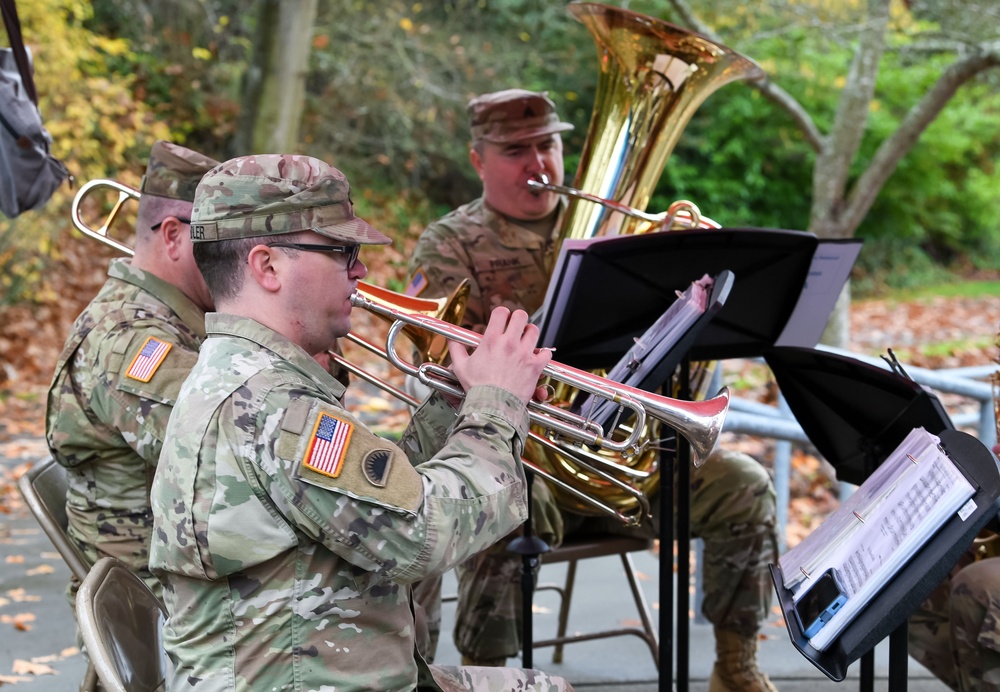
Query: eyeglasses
[[351, 251], [156, 226]]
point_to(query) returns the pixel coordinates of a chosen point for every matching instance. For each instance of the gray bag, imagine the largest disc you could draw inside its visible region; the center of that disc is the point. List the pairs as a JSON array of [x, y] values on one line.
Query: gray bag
[[29, 174]]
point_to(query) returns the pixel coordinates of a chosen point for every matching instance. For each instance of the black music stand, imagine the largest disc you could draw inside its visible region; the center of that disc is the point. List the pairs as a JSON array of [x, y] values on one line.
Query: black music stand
[[630, 281], [770, 267], [529, 546], [856, 414]]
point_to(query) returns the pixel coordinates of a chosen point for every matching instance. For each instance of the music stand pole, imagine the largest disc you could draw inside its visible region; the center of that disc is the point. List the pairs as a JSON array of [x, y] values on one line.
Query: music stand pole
[[667, 460], [683, 540], [529, 547]]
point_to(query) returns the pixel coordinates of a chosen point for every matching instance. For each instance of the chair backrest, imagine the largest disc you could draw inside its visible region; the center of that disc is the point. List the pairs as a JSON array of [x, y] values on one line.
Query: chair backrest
[[44, 489], [121, 622]]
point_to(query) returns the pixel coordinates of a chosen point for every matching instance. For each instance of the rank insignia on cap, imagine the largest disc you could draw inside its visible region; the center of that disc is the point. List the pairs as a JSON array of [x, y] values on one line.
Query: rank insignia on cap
[[148, 359], [325, 453], [417, 284], [376, 467]]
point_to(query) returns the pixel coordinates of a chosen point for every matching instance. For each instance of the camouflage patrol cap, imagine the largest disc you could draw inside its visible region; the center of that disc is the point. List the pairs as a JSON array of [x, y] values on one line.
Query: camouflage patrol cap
[[274, 194], [174, 171], [513, 115]]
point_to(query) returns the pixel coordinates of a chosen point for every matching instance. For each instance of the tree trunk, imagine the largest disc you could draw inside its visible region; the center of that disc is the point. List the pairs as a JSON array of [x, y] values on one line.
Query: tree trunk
[[274, 89]]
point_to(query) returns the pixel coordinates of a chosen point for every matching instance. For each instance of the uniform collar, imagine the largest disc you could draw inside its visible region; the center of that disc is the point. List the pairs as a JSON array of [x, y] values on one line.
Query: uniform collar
[[164, 291], [221, 324], [514, 235]]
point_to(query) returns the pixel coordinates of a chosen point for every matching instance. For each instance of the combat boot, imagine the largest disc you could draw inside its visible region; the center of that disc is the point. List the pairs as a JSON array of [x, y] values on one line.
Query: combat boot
[[735, 668]]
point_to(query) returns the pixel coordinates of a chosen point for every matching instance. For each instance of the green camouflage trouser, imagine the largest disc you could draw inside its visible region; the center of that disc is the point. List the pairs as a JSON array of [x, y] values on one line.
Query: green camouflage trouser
[[477, 679], [956, 633], [732, 511]]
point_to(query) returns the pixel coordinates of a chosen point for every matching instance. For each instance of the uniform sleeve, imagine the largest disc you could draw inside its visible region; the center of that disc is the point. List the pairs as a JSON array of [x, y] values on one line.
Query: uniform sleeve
[[359, 495], [438, 265], [143, 370], [428, 429]]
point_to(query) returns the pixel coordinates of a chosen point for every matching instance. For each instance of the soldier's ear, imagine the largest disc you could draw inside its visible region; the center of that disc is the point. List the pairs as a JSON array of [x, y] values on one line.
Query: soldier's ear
[[477, 162], [175, 237], [265, 265]]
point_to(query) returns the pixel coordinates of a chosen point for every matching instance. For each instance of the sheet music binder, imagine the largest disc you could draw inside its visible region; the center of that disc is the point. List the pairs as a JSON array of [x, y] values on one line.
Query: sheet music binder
[[662, 365], [856, 414], [916, 580]]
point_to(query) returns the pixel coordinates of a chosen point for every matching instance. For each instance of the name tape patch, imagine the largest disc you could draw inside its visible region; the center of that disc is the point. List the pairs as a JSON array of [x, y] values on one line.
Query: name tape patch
[[148, 359], [328, 445]]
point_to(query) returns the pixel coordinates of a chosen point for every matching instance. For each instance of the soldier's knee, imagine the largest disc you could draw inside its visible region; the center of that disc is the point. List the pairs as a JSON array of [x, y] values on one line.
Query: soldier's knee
[[732, 489]]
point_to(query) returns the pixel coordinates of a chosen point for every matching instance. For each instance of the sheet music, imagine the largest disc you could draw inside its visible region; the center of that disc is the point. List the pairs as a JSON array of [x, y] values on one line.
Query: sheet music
[[651, 347], [830, 268], [879, 528]]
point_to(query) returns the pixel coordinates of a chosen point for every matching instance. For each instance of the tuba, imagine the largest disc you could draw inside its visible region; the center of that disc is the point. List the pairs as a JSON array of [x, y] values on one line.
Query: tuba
[[654, 75]]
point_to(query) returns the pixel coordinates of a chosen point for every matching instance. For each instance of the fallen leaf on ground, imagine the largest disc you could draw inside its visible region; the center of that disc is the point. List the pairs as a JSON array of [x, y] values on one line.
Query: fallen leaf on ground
[[22, 596], [22, 667], [19, 621], [13, 679], [14, 559], [41, 569]]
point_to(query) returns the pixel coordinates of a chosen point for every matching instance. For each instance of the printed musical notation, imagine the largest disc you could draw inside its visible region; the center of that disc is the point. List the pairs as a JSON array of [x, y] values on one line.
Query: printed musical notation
[[880, 527]]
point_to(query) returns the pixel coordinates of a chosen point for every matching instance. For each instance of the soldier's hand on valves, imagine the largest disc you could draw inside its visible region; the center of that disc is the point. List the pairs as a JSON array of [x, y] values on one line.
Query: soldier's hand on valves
[[506, 356]]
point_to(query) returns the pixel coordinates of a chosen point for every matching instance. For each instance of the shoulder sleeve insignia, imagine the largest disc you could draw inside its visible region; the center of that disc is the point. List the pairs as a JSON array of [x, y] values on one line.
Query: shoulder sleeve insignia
[[327, 445], [148, 359], [376, 467], [417, 283]]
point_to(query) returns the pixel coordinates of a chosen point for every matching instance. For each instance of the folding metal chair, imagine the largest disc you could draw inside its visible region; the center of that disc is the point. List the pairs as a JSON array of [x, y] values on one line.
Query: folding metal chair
[[43, 487], [121, 622], [572, 552]]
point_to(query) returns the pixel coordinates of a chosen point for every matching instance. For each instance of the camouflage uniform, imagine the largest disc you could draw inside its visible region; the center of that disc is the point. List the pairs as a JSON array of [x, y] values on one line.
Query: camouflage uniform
[[733, 499], [105, 425], [956, 632], [287, 533], [115, 383]]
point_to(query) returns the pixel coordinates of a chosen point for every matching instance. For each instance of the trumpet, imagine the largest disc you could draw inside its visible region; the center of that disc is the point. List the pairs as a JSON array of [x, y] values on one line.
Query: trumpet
[[700, 422]]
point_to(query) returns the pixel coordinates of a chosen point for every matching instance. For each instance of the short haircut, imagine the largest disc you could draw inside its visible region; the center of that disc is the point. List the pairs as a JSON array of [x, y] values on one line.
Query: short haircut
[[153, 209], [222, 262]]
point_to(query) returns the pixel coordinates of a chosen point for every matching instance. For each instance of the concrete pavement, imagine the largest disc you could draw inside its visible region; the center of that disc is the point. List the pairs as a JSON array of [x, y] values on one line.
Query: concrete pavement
[[37, 631]]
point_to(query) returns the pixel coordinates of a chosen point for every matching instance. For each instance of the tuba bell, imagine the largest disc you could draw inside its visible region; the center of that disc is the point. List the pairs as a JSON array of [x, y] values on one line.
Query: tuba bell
[[654, 75]]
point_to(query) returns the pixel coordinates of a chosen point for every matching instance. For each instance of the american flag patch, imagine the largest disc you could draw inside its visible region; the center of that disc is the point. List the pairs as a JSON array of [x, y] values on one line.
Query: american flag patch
[[417, 284], [148, 359], [328, 445]]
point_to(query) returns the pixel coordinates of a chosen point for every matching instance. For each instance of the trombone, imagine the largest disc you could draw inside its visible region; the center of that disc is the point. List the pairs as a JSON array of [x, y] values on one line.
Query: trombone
[[125, 193]]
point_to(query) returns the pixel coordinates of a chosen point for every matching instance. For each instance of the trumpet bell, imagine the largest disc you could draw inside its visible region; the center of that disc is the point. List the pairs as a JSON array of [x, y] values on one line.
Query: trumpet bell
[[430, 347]]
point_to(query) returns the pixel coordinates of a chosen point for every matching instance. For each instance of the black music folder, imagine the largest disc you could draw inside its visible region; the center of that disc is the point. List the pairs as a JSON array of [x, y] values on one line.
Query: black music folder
[[605, 292], [653, 358], [857, 414], [854, 413]]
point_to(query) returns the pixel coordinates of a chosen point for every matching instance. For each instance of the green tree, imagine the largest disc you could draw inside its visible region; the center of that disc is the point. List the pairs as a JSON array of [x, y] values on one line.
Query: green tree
[[858, 146]]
